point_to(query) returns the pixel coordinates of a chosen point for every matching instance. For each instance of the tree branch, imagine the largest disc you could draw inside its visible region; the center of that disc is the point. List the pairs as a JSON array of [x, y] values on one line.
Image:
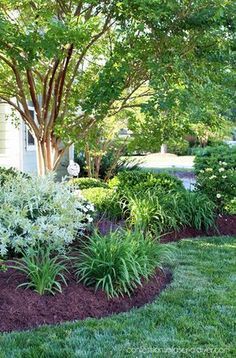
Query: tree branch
[[29, 120], [33, 94]]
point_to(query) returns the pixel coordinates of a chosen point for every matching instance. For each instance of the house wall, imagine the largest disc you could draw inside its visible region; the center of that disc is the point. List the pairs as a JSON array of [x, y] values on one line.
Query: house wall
[[14, 151], [29, 159], [9, 139]]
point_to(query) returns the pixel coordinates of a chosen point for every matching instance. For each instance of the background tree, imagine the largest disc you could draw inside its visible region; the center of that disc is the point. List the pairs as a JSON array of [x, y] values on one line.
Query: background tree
[[75, 59]]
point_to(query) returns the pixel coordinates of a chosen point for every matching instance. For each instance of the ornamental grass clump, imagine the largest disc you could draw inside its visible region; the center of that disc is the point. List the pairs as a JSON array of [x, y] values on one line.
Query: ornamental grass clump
[[44, 271], [38, 211], [117, 262], [158, 212]]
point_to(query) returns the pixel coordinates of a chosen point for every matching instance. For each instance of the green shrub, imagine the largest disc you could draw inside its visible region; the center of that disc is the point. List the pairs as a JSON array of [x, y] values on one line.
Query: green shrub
[[180, 147], [116, 263], [160, 213], [137, 180], [87, 183], [230, 207], [212, 157], [105, 201], [7, 174], [44, 271], [38, 210], [216, 175]]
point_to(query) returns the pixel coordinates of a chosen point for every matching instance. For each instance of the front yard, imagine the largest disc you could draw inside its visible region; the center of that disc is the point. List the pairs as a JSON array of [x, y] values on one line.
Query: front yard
[[194, 316]]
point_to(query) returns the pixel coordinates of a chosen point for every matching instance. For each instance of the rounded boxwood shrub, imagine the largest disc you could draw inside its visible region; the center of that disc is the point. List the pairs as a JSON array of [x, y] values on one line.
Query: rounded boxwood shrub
[[38, 211], [86, 183], [137, 180], [105, 201]]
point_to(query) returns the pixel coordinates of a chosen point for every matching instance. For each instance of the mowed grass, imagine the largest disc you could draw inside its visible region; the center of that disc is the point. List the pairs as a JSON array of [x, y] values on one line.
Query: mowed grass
[[193, 317]]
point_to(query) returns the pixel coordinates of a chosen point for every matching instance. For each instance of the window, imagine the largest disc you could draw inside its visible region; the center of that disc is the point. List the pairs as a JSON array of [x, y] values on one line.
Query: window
[[29, 138]]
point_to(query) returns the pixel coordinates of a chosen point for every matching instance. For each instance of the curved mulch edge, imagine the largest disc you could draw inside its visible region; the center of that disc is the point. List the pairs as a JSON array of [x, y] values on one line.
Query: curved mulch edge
[[25, 309], [22, 309], [225, 226]]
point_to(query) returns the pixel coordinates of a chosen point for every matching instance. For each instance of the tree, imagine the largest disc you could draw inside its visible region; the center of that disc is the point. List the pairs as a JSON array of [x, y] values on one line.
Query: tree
[[81, 61]]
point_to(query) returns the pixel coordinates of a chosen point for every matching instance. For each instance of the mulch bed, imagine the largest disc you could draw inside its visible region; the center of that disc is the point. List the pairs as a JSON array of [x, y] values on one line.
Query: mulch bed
[[225, 225], [22, 309]]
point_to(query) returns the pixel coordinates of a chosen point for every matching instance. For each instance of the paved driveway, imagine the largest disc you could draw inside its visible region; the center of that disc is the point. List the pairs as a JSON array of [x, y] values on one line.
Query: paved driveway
[[158, 160]]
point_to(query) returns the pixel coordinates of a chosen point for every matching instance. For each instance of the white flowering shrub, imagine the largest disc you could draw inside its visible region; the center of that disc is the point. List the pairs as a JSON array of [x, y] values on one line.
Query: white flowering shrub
[[215, 168], [219, 184], [37, 210]]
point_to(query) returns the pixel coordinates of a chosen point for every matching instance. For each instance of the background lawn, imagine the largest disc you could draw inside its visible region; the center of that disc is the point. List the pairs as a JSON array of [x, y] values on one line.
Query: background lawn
[[197, 311]]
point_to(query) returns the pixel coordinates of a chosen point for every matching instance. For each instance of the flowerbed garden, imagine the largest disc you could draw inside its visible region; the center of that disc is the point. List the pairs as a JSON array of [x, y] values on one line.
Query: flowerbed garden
[[86, 248]]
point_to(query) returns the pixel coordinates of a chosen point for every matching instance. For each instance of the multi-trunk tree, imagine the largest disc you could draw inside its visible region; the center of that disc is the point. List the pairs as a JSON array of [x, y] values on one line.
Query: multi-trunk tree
[[78, 62]]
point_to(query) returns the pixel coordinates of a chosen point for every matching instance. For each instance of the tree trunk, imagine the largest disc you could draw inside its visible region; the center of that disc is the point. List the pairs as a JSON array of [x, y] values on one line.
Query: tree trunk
[[48, 155], [97, 165], [163, 148], [88, 161]]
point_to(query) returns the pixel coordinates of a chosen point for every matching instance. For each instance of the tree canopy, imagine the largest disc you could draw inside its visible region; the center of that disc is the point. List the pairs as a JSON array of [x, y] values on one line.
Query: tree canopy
[[79, 62]]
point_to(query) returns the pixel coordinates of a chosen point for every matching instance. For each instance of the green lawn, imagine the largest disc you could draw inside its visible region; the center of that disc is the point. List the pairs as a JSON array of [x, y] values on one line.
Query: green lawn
[[195, 314]]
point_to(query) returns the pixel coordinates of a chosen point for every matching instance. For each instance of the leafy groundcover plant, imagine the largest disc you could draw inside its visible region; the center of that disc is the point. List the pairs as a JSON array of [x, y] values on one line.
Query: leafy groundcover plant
[[37, 210], [45, 272], [116, 263]]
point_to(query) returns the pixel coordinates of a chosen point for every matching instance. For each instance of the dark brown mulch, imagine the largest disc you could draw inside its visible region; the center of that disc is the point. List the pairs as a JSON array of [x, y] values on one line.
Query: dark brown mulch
[[225, 225], [24, 309]]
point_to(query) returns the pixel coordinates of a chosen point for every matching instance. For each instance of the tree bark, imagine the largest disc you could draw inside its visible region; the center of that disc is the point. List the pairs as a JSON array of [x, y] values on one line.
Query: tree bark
[[48, 155], [97, 165], [88, 161]]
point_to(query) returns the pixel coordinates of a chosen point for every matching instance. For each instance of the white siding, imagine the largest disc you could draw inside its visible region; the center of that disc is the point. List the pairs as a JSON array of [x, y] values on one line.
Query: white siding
[[13, 146], [29, 158], [9, 139]]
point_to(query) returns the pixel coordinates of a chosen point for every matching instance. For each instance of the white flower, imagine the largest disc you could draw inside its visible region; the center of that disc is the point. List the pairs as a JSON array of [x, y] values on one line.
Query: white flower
[[224, 163], [218, 196], [221, 169], [209, 169], [213, 177], [91, 207], [224, 176], [201, 171]]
